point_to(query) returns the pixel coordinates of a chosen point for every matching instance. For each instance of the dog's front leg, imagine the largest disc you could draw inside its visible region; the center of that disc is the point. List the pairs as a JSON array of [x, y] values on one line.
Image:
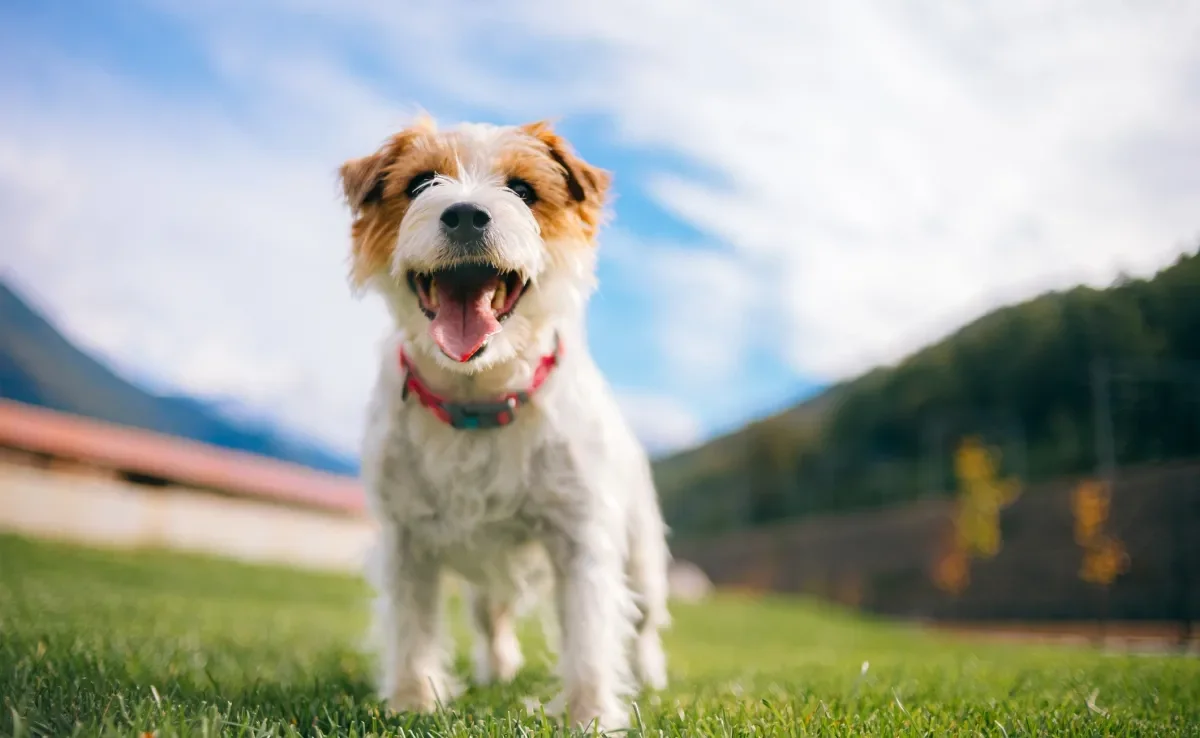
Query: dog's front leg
[[594, 607], [415, 677]]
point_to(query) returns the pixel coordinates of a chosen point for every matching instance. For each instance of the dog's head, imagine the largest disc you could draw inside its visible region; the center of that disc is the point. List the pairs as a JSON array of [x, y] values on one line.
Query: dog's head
[[477, 236]]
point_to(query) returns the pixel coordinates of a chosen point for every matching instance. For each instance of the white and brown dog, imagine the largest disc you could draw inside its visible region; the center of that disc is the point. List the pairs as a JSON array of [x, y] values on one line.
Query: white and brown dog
[[494, 447]]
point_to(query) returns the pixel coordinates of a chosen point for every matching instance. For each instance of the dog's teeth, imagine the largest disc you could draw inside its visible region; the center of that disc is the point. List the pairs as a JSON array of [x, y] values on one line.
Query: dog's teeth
[[500, 296], [432, 292]]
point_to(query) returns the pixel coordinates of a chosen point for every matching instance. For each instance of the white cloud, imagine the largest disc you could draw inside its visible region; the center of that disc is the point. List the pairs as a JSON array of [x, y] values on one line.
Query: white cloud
[[705, 299], [662, 424], [164, 235], [890, 173], [881, 172]]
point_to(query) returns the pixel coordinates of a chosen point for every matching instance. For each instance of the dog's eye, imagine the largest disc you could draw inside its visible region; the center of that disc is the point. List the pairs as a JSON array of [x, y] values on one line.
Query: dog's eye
[[417, 184], [523, 190]]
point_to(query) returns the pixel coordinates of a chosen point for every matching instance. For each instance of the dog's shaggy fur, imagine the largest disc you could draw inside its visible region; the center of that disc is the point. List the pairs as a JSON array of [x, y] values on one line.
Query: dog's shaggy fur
[[565, 488]]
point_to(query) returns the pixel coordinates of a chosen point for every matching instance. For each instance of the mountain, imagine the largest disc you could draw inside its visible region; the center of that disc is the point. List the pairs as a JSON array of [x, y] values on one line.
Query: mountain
[[39, 366], [1020, 377]]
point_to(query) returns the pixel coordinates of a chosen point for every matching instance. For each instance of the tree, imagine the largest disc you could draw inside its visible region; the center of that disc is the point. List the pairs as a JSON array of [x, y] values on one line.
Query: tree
[[1024, 368], [982, 495]]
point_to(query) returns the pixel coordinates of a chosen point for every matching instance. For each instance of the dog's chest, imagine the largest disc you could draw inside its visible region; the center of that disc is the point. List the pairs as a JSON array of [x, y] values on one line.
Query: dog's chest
[[453, 489]]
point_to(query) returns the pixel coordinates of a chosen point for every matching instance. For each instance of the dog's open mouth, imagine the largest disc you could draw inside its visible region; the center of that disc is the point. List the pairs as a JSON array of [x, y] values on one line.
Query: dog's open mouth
[[465, 304]]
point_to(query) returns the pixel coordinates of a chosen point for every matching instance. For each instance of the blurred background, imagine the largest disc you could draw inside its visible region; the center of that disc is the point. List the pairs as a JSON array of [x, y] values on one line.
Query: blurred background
[[905, 301]]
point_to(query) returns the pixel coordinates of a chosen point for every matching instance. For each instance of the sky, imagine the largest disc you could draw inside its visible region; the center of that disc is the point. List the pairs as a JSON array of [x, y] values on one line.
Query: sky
[[803, 190]]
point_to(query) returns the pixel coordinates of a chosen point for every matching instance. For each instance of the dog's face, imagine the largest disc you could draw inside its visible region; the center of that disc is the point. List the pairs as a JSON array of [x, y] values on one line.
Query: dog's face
[[476, 236]]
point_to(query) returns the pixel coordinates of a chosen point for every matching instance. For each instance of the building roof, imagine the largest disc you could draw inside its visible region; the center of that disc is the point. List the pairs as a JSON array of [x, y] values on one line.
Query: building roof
[[178, 460]]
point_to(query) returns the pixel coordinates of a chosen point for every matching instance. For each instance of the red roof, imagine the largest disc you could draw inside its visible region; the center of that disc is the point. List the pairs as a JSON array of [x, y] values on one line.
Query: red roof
[[178, 460]]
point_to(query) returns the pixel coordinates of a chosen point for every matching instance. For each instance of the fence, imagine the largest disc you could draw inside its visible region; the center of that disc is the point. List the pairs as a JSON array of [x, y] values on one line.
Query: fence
[[989, 535]]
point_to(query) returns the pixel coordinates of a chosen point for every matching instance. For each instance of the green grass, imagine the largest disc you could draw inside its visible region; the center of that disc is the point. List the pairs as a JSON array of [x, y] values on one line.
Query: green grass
[[104, 643]]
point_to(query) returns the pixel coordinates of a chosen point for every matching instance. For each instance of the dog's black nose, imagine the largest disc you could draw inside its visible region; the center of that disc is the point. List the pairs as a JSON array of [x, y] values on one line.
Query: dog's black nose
[[465, 222]]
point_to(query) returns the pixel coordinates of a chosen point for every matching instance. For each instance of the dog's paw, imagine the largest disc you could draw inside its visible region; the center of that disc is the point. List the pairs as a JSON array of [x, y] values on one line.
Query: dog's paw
[[421, 695], [651, 662], [604, 715], [498, 661]]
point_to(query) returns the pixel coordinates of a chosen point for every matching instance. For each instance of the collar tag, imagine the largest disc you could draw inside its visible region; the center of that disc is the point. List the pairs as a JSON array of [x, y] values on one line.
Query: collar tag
[[482, 415]]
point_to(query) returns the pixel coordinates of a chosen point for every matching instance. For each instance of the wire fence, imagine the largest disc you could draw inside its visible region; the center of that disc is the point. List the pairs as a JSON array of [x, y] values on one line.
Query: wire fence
[[978, 527]]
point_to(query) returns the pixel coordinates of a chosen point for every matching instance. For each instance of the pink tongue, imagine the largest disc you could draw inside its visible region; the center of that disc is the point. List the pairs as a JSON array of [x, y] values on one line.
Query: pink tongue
[[464, 320]]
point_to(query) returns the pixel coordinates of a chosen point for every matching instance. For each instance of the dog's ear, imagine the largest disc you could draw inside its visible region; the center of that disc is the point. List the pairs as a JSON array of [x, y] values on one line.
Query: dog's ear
[[363, 179], [586, 184]]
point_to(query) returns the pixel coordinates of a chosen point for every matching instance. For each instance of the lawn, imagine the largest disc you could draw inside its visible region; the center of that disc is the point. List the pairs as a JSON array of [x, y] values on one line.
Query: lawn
[[107, 643]]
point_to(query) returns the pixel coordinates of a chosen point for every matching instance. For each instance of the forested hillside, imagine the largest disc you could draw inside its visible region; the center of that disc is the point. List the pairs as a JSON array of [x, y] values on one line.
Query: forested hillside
[[1022, 377]]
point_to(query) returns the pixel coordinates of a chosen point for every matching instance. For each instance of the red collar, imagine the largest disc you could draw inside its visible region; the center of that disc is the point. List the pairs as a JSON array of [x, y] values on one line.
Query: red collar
[[476, 415]]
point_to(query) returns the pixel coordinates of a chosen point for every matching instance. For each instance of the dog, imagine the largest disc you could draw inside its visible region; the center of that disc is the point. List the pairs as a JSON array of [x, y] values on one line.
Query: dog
[[493, 445]]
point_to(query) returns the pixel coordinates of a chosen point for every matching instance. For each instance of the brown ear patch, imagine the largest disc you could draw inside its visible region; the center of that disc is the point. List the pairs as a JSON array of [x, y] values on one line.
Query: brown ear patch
[[363, 180], [573, 186], [587, 185], [374, 188]]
